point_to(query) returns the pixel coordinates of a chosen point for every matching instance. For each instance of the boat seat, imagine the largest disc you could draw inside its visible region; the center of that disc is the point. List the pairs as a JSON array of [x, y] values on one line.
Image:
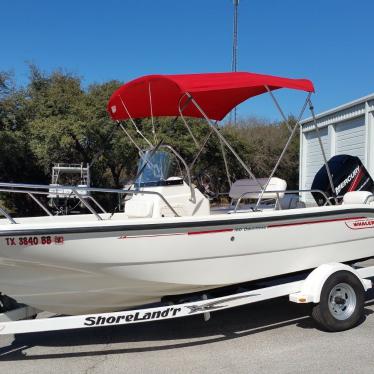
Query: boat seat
[[358, 197], [141, 208], [291, 202], [178, 196], [251, 188]]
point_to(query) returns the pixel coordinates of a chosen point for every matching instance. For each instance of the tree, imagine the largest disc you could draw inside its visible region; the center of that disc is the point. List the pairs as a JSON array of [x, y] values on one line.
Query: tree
[[267, 141]]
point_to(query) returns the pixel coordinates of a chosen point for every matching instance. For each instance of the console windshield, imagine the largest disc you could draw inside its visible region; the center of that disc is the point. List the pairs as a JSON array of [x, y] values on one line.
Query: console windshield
[[155, 169]]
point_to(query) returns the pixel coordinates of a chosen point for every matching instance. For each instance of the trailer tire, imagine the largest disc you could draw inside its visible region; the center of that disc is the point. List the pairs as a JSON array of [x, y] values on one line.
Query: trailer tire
[[341, 305]]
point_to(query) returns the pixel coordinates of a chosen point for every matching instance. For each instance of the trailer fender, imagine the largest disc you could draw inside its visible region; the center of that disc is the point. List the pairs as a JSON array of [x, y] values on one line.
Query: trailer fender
[[311, 288]]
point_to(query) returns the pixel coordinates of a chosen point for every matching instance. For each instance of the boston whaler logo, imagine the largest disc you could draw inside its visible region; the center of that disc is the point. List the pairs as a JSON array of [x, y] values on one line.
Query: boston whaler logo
[[361, 224], [347, 180]]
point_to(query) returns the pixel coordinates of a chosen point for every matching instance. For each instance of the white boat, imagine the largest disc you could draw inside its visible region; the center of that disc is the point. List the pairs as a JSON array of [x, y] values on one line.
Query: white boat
[[168, 240]]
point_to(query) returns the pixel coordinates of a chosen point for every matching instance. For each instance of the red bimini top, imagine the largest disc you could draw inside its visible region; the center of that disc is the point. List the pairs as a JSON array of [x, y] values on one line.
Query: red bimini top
[[216, 93]]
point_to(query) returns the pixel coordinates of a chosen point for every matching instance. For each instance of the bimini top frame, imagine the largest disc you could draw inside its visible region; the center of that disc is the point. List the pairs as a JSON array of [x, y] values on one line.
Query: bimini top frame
[[212, 96]]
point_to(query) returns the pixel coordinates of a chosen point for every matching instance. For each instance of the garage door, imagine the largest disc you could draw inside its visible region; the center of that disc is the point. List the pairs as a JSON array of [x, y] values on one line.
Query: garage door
[[350, 138], [314, 158]]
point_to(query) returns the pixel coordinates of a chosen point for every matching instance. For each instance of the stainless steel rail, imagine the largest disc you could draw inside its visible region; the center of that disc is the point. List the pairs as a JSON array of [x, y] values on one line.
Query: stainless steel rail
[[7, 215], [39, 189], [40, 204], [86, 204], [278, 192], [368, 198], [96, 203], [181, 159]]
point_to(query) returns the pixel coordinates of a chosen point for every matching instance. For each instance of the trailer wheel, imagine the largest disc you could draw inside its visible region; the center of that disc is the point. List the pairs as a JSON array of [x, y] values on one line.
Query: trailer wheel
[[341, 305]]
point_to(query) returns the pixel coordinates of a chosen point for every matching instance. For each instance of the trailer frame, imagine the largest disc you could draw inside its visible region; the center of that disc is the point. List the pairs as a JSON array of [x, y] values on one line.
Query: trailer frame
[[303, 291]]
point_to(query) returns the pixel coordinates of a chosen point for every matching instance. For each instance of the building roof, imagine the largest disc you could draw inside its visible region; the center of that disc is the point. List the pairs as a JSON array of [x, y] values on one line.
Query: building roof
[[339, 108]]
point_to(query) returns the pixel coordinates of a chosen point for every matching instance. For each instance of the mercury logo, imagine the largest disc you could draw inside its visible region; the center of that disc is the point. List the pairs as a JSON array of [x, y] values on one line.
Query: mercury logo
[[347, 180]]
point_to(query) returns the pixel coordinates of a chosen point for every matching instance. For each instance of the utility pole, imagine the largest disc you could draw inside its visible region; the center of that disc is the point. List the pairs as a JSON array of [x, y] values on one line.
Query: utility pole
[[234, 61]]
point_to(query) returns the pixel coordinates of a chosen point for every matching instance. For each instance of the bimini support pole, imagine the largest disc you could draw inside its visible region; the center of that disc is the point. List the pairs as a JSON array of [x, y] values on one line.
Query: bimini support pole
[[284, 149], [311, 109], [278, 107], [201, 148], [221, 137], [133, 122], [225, 161], [151, 109], [184, 120], [129, 136], [222, 151]]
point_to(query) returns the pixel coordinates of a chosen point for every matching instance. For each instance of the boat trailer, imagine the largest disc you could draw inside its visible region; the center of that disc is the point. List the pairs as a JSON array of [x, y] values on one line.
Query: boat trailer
[[336, 290]]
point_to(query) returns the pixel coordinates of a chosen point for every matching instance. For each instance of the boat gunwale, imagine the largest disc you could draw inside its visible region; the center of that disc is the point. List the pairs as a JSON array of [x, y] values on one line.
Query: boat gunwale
[[287, 219]]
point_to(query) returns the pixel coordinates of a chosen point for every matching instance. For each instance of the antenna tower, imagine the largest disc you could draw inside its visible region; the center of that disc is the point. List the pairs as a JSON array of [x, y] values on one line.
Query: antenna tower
[[234, 61]]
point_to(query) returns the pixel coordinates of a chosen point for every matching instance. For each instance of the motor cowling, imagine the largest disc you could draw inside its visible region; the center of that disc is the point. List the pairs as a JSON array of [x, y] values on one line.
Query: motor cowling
[[348, 174]]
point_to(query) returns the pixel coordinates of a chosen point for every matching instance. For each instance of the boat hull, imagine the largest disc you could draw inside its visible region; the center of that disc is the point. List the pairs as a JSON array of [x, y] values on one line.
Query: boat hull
[[80, 268]]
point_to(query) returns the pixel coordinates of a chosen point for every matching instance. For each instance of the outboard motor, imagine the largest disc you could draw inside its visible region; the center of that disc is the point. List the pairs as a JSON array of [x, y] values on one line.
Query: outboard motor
[[348, 174]]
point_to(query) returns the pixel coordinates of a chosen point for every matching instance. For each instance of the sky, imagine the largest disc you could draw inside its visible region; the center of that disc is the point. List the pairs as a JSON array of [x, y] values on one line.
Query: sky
[[327, 41]]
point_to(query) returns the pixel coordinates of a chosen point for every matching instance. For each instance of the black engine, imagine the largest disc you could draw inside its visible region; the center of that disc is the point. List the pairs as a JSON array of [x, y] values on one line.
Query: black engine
[[348, 174]]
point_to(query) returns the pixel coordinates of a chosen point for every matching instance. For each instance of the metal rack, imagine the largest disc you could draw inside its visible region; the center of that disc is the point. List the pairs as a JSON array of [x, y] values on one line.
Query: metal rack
[[65, 175]]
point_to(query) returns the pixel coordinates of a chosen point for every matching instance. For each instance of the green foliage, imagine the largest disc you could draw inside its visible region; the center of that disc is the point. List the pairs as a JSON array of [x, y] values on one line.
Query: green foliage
[[266, 144], [54, 119]]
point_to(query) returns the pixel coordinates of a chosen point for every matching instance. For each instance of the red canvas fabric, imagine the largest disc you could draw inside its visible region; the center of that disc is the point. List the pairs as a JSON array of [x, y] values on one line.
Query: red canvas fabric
[[216, 93]]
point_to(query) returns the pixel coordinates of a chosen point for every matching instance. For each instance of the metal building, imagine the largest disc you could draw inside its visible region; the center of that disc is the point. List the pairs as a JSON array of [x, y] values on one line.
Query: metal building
[[346, 129]]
